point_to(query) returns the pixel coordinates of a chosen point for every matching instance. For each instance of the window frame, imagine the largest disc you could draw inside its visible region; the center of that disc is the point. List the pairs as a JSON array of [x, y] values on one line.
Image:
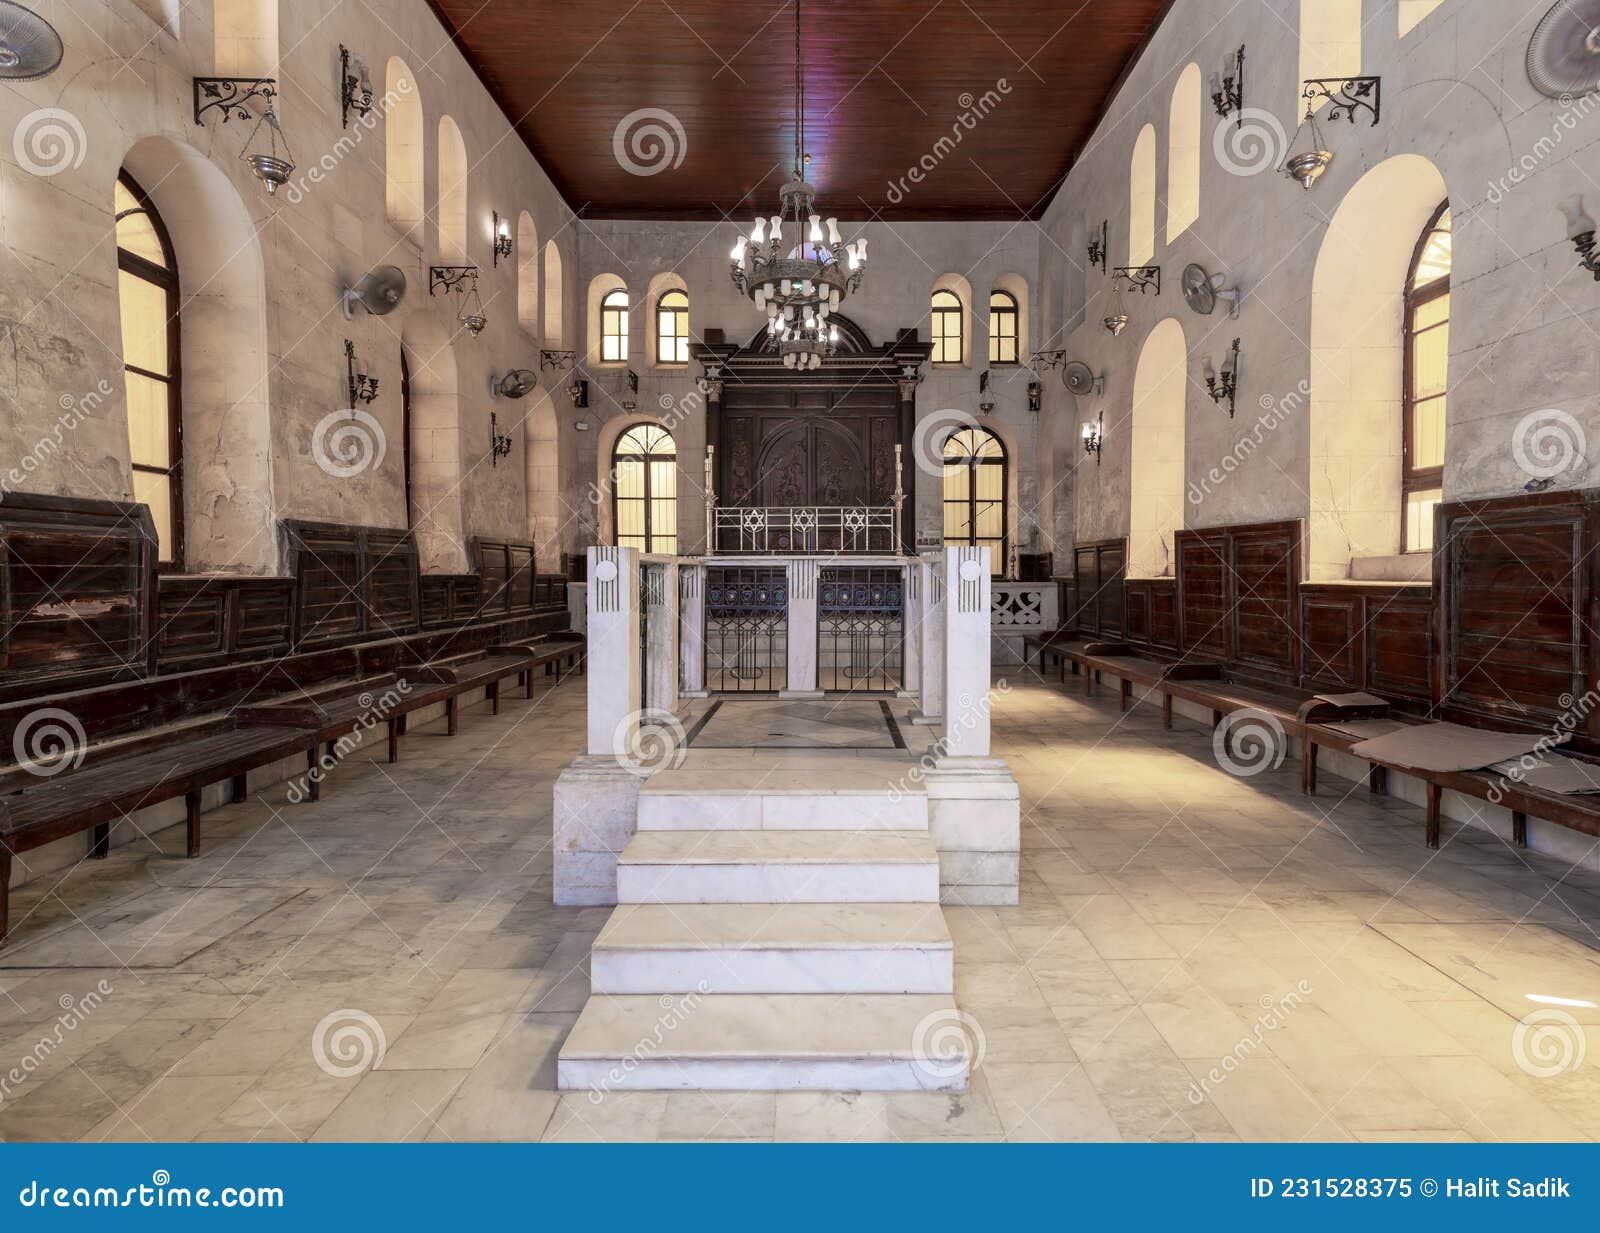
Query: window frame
[[1413, 478], [644, 457], [619, 313], [1010, 309], [1000, 561], [166, 279], [937, 312], [680, 328]]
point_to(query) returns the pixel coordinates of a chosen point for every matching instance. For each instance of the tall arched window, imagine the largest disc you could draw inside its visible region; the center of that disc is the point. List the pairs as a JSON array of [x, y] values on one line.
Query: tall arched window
[[148, 295], [452, 186], [402, 151], [975, 493], [527, 274], [1183, 153], [644, 484], [1427, 366], [672, 328], [1002, 327], [947, 341], [1142, 198], [555, 331], [614, 326], [1330, 43]]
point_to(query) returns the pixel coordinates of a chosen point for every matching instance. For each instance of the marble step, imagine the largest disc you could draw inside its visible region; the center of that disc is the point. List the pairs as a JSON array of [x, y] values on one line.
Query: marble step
[[811, 792], [766, 1042], [778, 867], [773, 948]]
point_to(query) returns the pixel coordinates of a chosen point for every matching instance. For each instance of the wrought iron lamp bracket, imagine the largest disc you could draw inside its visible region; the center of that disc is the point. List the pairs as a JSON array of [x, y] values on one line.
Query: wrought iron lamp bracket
[[1346, 96], [229, 95]]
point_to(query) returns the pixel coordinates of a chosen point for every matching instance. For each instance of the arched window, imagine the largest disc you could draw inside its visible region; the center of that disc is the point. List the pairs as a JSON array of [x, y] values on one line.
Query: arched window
[[452, 185], [1330, 43], [1142, 198], [555, 332], [975, 493], [672, 328], [1427, 366], [644, 484], [1002, 327], [614, 326], [948, 345], [148, 295], [402, 151], [1183, 153], [527, 274]]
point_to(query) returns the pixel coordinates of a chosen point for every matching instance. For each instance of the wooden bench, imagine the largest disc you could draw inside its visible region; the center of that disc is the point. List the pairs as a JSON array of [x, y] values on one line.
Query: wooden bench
[[110, 782], [553, 653], [322, 718], [1046, 644]]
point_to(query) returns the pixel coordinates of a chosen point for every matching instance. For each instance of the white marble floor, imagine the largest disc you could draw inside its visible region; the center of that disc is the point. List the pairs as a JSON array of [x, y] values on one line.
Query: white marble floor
[[1195, 957], [776, 723]]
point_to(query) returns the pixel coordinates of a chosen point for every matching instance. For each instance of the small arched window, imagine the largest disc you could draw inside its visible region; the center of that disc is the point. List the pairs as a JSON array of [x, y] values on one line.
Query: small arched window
[[614, 326], [947, 341], [1427, 367], [147, 278], [975, 493], [644, 485], [1002, 327], [672, 328]]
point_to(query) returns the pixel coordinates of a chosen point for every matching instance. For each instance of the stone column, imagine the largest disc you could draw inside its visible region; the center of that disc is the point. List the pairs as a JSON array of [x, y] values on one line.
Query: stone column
[[661, 615], [911, 591], [597, 793], [966, 652], [930, 709], [802, 662], [692, 628]]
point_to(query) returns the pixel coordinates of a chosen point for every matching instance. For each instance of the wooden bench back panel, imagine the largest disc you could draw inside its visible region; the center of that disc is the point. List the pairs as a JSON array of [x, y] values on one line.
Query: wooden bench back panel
[[510, 581], [1372, 636], [205, 620], [1238, 595], [1152, 610], [351, 583], [1517, 581], [76, 579], [1204, 607], [389, 559], [1098, 568]]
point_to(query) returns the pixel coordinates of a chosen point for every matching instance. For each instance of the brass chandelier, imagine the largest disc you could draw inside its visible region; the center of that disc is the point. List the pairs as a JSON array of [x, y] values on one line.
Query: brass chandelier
[[801, 286]]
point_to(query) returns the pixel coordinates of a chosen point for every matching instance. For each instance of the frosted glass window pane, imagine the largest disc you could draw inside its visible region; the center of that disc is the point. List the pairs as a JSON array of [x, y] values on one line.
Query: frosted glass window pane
[[1419, 519], [156, 492], [1427, 434], [149, 421], [144, 323], [1430, 362]]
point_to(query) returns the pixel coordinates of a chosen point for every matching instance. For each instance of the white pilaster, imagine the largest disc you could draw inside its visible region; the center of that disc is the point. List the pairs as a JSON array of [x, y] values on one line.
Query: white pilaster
[[661, 630], [931, 708], [966, 652], [692, 627], [802, 654], [911, 592], [613, 652]]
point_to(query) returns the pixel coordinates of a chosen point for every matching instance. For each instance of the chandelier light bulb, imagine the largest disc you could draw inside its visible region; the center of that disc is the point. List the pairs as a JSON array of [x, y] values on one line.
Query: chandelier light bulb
[[833, 300], [815, 235], [805, 286], [861, 247], [788, 312], [738, 251], [833, 333], [777, 228], [833, 232], [759, 234]]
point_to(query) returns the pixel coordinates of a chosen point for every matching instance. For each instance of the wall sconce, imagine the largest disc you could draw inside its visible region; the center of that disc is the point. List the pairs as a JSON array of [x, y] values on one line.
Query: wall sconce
[[1227, 384], [578, 391], [1580, 230], [1093, 435], [1306, 168], [985, 402], [499, 442], [502, 238], [463, 280], [228, 96], [1140, 278], [1035, 396], [1227, 89], [1099, 247], [355, 86], [363, 388], [630, 402]]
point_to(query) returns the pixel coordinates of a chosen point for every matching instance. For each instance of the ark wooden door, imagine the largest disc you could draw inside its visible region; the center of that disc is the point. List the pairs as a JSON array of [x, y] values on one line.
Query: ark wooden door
[[808, 443]]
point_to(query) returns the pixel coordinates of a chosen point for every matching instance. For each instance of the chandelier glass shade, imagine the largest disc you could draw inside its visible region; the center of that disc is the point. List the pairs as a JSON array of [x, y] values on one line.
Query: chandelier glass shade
[[795, 266]]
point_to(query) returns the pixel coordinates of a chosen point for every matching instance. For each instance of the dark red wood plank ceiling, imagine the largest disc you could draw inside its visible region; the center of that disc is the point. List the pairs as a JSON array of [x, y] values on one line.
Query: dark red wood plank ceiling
[[885, 81]]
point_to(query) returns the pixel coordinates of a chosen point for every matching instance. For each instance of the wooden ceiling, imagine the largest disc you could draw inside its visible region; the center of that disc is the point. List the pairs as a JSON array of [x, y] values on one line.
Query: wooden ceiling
[[885, 80]]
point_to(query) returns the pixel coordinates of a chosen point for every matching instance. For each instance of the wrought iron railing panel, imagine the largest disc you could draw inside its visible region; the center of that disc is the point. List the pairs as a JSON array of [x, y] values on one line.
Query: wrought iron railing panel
[[850, 529], [747, 629], [861, 629]]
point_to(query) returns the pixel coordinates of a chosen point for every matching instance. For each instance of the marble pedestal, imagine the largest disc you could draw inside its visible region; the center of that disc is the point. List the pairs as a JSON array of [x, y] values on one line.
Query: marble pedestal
[[975, 821], [596, 813]]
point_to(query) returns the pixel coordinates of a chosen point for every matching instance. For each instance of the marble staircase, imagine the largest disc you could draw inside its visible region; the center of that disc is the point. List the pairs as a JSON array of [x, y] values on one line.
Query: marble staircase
[[778, 927]]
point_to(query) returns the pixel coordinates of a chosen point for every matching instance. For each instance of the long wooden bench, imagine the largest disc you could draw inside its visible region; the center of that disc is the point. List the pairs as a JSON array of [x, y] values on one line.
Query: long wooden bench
[[553, 653]]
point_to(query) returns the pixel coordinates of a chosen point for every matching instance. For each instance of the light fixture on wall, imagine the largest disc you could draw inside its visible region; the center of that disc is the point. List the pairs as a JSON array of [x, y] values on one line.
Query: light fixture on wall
[[1227, 89], [1226, 384], [1100, 246], [1346, 96], [1580, 230], [985, 399], [578, 391], [355, 86], [502, 238], [1036, 396], [630, 401], [1306, 167], [1140, 278], [1093, 437], [463, 281], [798, 286], [229, 97], [363, 388], [499, 442]]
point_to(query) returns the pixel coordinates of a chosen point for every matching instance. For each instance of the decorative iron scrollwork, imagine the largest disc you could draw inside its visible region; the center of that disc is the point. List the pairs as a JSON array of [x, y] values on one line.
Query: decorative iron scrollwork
[[229, 95], [1140, 278], [1346, 96]]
